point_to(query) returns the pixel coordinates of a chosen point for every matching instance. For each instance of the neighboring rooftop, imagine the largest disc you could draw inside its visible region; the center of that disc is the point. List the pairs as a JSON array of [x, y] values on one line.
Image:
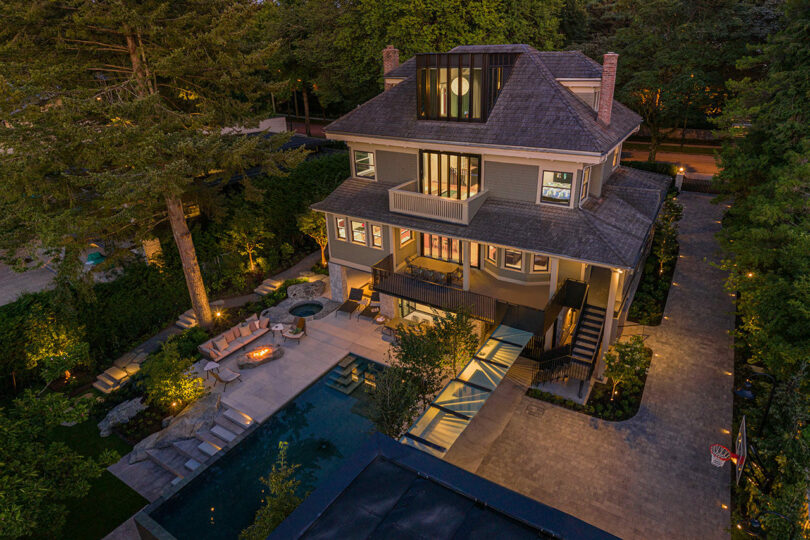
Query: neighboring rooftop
[[610, 230], [388, 490], [533, 111]]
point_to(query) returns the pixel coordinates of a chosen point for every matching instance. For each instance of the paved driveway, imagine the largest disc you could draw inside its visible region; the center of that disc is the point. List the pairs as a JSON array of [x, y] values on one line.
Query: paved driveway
[[648, 477]]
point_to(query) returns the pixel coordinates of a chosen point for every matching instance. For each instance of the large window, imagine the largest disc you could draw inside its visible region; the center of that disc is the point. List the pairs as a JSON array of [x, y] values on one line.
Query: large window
[[492, 254], [556, 187], [364, 164], [376, 236], [340, 228], [586, 183], [459, 86], [447, 249], [454, 176], [513, 259], [359, 232]]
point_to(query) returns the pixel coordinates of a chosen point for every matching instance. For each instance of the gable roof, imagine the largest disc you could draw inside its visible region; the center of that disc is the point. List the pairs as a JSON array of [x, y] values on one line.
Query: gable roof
[[533, 111], [609, 231]]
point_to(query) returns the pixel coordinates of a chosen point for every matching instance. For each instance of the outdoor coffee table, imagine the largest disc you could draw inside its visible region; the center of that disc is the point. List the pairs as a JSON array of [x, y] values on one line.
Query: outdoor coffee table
[[278, 327], [210, 366]]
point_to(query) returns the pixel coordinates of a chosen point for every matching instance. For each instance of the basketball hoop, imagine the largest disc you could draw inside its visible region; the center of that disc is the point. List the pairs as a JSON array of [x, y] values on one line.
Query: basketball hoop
[[721, 454]]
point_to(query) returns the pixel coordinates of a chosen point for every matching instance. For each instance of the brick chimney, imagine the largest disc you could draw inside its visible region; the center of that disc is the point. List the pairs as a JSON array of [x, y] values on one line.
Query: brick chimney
[[390, 61], [606, 90]]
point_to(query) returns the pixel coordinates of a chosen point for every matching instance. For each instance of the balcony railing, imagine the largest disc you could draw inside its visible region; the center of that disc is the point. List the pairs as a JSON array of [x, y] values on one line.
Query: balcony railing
[[385, 280], [406, 199]]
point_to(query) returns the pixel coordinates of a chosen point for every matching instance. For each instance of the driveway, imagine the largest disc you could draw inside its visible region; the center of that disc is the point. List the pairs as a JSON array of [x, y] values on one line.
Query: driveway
[[650, 476], [13, 284]]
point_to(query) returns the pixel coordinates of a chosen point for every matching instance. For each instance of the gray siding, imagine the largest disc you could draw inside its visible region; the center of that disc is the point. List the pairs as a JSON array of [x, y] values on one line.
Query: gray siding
[[347, 251], [395, 167], [568, 270], [408, 249], [597, 174], [516, 275], [511, 181]]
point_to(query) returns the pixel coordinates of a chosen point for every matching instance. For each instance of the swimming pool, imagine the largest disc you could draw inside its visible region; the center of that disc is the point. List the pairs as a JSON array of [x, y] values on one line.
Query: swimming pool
[[323, 424]]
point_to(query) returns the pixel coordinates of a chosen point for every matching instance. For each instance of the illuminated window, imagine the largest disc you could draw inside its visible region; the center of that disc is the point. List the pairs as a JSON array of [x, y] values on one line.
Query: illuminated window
[[405, 236], [615, 157], [539, 263], [359, 232], [586, 183], [376, 236], [340, 229], [557, 187], [512, 259], [492, 254], [449, 175], [364, 164]]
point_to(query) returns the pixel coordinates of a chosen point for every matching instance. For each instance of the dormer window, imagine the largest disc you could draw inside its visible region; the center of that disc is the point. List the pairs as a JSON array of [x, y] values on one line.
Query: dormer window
[[460, 87]]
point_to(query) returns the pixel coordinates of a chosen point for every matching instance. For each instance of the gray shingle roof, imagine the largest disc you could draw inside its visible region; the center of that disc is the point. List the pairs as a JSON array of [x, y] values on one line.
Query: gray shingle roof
[[570, 65], [609, 231], [532, 111]]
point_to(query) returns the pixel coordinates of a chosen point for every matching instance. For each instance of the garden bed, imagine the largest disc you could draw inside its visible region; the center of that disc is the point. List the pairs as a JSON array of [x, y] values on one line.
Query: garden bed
[[652, 293], [624, 406]]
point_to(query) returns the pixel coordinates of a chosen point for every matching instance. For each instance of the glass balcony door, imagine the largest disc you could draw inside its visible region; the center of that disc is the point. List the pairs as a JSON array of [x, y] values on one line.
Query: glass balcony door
[[450, 175]]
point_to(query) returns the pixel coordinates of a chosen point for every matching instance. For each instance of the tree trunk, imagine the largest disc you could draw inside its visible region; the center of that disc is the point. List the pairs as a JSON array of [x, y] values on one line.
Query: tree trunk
[[306, 110], [323, 255], [251, 267], [188, 256], [653, 143], [295, 102]]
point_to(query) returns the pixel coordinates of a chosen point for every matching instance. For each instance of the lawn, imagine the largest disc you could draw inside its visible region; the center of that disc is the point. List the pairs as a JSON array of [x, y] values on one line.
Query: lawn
[[110, 502]]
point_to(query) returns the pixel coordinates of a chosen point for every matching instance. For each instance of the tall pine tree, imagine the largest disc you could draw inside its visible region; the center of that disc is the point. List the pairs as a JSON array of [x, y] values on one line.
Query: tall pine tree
[[113, 115]]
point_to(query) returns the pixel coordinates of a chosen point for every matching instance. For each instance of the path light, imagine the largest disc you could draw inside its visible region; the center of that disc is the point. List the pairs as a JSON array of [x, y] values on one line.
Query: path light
[[218, 314], [750, 274], [681, 170]]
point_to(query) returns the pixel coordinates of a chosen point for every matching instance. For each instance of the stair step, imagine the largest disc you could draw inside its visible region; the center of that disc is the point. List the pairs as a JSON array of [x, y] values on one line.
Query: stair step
[[168, 459], [230, 425], [587, 338], [594, 308], [103, 387], [238, 417], [223, 433], [208, 448], [192, 464], [206, 436], [347, 389], [582, 358], [188, 448]]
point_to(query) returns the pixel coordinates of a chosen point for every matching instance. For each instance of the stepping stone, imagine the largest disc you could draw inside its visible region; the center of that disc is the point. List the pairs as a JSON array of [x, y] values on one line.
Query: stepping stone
[[223, 433], [132, 369], [238, 418], [139, 358], [192, 464], [207, 448], [124, 361], [116, 374]]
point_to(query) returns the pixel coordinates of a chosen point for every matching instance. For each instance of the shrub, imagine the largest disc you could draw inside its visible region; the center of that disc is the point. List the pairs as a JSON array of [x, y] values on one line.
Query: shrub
[[188, 340], [653, 166], [168, 381]]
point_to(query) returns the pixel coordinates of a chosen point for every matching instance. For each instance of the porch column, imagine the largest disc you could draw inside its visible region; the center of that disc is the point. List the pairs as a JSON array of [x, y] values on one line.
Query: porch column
[[393, 246], [615, 274], [465, 256], [338, 282]]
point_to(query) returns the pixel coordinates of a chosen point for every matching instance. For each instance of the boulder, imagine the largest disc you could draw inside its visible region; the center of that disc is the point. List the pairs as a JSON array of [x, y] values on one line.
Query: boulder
[[120, 414], [199, 415], [306, 291]]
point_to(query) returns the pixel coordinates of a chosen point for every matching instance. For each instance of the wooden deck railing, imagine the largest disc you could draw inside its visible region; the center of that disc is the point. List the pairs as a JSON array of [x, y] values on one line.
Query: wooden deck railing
[[385, 280], [405, 199]]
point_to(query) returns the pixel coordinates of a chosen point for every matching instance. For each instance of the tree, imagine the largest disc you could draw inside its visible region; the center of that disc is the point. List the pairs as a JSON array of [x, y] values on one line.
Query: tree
[[665, 239], [168, 381], [458, 338], [419, 353], [37, 477], [246, 234], [115, 113], [625, 363], [395, 402], [279, 501], [313, 224]]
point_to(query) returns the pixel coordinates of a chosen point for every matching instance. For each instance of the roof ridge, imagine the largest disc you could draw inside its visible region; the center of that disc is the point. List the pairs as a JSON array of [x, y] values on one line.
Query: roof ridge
[[566, 97], [588, 217]]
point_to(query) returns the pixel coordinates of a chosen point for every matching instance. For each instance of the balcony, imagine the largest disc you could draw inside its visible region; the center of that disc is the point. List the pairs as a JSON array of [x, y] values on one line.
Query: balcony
[[406, 199]]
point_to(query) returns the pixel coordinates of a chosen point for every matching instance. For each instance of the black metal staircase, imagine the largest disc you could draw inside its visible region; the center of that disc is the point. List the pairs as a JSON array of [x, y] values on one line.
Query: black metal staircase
[[585, 342]]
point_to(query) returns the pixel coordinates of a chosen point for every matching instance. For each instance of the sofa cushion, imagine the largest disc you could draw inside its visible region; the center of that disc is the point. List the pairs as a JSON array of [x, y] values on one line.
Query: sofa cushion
[[253, 317], [254, 325], [245, 330], [264, 322], [221, 344]]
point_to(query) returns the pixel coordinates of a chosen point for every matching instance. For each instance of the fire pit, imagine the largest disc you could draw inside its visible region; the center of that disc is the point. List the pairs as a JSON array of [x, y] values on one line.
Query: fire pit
[[259, 356]]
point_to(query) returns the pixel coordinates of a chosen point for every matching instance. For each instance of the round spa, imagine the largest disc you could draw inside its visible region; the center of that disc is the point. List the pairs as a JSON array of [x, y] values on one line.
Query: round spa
[[307, 309]]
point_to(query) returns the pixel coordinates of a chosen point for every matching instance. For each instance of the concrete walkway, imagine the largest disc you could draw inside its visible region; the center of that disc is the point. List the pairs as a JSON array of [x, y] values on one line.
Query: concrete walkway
[[650, 476]]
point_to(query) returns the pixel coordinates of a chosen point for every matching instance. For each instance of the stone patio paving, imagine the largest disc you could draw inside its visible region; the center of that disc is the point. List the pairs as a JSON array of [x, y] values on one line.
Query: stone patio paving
[[648, 477]]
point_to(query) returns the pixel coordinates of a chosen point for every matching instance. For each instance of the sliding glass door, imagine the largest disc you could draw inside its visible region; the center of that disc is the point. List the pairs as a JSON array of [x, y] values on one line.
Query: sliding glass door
[[447, 249], [450, 175]]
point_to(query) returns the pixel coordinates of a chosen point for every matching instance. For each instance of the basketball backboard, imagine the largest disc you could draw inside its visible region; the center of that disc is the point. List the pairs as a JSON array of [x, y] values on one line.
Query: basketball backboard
[[741, 449]]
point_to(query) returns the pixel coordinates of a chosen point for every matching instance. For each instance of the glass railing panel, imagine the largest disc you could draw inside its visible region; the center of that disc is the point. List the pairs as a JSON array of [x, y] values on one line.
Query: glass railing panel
[[483, 374], [500, 352], [439, 427], [512, 335], [462, 398]]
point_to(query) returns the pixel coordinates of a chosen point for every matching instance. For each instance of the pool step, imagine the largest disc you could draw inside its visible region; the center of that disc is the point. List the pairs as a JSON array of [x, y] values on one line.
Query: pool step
[[238, 417], [220, 420], [169, 459], [223, 433], [207, 437], [188, 448], [346, 389], [192, 465], [208, 448]]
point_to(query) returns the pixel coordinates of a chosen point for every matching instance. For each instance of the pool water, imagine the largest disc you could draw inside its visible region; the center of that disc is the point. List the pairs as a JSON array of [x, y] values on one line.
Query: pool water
[[306, 310], [322, 425]]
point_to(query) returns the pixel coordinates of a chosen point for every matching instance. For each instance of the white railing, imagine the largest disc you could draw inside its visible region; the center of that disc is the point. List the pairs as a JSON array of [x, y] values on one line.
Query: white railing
[[405, 199]]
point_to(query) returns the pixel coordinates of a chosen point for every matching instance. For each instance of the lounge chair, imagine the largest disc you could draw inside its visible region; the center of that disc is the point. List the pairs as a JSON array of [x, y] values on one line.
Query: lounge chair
[[225, 376], [351, 305], [373, 307], [296, 333]]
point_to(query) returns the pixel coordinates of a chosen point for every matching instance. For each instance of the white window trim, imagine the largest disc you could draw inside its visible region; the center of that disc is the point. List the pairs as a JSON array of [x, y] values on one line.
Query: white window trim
[[486, 254], [583, 193], [412, 238], [366, 228], [371, 235], [512, 268], [540, 189], [345, 228], [354, 168]]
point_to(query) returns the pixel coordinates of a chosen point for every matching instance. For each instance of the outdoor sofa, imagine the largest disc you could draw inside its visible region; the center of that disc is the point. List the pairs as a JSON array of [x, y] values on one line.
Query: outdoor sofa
[[235, 339]]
